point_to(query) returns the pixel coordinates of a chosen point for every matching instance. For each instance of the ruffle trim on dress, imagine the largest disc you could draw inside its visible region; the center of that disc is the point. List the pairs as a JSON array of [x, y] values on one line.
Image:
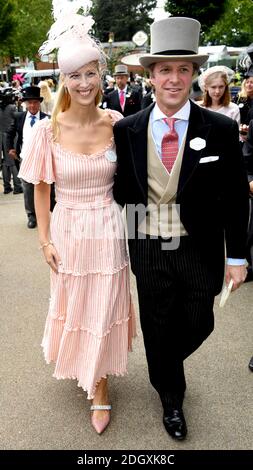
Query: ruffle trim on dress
[[94, 271], [91, 393], [36, 182], [78, 154], [89, 330]]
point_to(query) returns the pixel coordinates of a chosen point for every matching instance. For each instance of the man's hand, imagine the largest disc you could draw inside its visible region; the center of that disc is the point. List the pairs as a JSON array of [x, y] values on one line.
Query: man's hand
[[13, 154], [237, 273]]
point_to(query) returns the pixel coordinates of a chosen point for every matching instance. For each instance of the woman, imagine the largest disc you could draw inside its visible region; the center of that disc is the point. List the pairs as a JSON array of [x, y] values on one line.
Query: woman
[[48, 100], [214, 82], [245, 98], [245, 102], [90, 323]]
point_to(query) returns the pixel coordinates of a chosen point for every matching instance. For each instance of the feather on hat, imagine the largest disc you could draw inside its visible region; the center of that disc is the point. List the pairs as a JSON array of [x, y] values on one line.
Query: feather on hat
[[70, 35]]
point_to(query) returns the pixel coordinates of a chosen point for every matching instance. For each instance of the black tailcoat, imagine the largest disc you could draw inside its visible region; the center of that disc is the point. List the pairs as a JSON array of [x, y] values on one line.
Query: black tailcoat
[[213, 196]]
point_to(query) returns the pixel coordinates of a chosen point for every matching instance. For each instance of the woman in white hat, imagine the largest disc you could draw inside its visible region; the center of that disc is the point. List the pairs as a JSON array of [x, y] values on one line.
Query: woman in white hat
[[214, 82], [90, 323]]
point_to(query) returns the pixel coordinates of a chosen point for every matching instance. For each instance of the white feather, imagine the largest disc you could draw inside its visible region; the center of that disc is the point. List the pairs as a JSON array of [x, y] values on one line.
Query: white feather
[[67, 7], [68, 24]]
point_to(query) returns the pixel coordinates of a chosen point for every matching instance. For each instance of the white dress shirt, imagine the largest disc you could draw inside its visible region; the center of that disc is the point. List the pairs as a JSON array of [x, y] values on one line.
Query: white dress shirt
[[159, 127], [27, 129]]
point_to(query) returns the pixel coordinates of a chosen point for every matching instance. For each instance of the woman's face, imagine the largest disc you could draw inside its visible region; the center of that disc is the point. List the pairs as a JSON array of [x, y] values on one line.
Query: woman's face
[[84, 84], [249, 86], [215, 87]]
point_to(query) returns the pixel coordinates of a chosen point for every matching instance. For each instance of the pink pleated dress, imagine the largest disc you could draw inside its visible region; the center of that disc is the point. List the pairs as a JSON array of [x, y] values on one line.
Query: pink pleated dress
[[91, 320]]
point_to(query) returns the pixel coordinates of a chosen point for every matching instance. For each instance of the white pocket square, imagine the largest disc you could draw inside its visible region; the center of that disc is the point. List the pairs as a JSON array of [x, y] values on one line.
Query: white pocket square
[[209, 159]]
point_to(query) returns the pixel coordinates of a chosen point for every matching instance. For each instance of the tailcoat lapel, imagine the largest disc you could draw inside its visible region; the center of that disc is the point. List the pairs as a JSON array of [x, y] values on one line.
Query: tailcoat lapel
[[197, 128], [137, 135]]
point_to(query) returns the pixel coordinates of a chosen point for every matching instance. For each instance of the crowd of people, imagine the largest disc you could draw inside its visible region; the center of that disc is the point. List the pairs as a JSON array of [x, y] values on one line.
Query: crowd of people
[[86, 153]]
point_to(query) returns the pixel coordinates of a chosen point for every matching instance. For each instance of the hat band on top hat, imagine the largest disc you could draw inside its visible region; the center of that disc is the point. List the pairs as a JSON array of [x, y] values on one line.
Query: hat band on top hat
[[176, 52]]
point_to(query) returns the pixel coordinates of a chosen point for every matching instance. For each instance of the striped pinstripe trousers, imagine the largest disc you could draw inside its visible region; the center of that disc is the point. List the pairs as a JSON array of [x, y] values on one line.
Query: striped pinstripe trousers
[[176, 290]]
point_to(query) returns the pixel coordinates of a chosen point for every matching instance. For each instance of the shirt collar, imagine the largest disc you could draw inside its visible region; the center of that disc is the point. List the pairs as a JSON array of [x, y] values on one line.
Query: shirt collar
[[125, 90], [37, 115], [182, 114]]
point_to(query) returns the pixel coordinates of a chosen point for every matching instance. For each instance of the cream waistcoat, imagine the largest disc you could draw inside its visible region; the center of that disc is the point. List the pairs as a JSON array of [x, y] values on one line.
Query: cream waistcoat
[[162, 216]]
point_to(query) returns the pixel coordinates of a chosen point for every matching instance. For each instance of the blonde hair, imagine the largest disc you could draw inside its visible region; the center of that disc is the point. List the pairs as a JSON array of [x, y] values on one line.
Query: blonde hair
[[50, 83], [225, 99], [45, 92], [63, 101], [243, 93]]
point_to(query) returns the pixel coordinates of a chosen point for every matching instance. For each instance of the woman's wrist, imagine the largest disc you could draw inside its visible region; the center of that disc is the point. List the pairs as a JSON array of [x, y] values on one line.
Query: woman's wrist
[[45, 244]]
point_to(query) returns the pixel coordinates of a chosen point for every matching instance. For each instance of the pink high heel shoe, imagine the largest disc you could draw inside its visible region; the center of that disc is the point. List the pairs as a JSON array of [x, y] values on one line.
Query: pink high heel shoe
[[100, 424]]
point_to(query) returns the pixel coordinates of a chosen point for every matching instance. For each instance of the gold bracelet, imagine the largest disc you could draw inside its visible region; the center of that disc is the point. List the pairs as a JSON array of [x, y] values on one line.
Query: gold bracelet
[[44, 245]]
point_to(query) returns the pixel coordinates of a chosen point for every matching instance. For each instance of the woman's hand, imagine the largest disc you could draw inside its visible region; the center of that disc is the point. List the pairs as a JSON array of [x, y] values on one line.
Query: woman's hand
[[251, 187], [52, 258]]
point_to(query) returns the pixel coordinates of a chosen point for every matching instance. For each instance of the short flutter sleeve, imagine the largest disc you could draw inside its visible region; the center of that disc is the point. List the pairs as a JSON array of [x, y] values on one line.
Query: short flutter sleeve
[[115, 115], [37, 159]]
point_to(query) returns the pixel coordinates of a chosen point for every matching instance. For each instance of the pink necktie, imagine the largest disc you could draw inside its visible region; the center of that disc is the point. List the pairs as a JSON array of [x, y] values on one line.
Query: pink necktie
[[122, 99], [169, 145]]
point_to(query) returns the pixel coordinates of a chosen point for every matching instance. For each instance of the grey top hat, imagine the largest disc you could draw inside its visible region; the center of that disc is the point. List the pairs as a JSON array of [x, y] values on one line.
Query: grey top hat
[[121, 69], [174, 38]]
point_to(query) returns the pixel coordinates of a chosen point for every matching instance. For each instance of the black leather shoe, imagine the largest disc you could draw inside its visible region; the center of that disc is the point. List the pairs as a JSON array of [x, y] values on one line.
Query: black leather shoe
[[18, 191], [251, 364], [31, 223], [174, 423], [7, 191]]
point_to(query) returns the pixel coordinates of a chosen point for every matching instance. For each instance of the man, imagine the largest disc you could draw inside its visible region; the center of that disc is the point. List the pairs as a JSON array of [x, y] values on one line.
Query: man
[[21, 128], [124, 99], [175, 154], [9, 168]]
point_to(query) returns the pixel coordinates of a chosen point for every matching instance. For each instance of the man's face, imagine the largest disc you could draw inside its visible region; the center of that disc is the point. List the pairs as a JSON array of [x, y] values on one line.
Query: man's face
[[121, 81], [172, 81], [33, 106]]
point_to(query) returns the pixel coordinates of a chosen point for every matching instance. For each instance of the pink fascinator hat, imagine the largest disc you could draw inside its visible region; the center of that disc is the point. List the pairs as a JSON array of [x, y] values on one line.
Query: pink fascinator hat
[[70, 35]]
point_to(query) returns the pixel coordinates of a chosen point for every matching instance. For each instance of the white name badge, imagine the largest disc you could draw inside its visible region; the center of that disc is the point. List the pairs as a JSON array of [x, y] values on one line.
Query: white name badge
[[111, 155]]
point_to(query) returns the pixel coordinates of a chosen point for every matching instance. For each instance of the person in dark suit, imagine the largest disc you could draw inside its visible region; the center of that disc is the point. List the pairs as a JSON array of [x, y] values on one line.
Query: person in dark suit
[[179, 216], [148, 99], [21, 129], [124, 99], [245, 97], [9, 168]]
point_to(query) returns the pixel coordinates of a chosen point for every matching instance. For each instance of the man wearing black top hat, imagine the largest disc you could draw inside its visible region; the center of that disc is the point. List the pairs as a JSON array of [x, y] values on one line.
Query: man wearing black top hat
[[21, 128], [181, 175]]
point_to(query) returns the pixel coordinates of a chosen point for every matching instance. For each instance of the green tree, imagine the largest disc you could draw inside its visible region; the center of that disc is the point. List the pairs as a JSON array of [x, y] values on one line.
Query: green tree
[[122, 17], [205, 12], [33, 19], [115, 56], [235, 27], [7, 22]]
